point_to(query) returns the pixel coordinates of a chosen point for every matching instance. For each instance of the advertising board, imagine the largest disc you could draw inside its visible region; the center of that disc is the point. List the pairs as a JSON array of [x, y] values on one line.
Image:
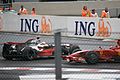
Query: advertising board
[[75, 26]]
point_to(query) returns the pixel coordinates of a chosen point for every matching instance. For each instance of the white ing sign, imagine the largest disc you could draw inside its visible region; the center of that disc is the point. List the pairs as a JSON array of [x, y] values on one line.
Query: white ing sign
[[76, 26]]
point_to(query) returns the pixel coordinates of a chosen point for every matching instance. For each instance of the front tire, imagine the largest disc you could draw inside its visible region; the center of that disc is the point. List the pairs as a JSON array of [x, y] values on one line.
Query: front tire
[[92, 57], [29, 53]]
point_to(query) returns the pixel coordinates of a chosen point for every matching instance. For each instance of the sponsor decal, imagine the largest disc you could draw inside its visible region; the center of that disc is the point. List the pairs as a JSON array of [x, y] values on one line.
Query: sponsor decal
[[34, 25], [104, 30], [84, 28], [29, 25], [1, 23]]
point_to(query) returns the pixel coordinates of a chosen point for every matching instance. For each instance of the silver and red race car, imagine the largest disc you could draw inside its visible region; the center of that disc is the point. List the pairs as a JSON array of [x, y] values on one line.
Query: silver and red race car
[[95, 56], [33, 48]]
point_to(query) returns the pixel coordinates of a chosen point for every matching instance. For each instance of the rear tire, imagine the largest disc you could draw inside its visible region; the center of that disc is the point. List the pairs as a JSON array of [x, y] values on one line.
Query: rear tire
[[76, 50], [5, 52], [73, 48], [92, 57], [8, 58], [64, 50]]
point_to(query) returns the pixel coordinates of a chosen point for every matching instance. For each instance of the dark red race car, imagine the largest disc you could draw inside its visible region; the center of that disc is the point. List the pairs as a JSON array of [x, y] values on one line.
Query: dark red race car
[[32, 49], [95, 56]]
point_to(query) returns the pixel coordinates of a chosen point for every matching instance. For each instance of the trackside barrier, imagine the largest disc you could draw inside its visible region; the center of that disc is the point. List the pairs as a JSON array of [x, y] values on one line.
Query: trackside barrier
[[74, 26]]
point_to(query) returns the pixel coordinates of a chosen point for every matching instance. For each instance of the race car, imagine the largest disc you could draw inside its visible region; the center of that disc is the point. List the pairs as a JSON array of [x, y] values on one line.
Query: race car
[[32, 49], [95, 56]]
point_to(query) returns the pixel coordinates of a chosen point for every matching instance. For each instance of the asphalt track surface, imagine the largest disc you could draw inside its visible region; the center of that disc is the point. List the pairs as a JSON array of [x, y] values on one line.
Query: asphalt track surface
[[44, 68]]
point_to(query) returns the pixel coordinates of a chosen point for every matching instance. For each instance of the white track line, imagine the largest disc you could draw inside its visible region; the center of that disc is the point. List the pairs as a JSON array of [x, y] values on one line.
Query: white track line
[[84, 74], [71, 76], [63, 69]]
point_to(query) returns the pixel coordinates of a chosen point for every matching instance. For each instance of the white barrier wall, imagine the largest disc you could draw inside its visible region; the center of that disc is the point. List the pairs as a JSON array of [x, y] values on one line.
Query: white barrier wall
[[74, 26]]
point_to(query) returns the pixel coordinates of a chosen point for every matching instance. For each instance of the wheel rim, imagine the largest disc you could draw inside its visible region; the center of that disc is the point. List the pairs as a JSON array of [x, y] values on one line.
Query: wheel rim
[[30, 56], [93, 57]]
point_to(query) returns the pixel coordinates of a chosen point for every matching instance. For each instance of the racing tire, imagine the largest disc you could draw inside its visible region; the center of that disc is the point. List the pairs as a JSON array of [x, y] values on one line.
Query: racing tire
[[72, 48], [64, 50], [75, 50], [8, 58], [116, 59], [92, 57], [5, 52], [29, 54]]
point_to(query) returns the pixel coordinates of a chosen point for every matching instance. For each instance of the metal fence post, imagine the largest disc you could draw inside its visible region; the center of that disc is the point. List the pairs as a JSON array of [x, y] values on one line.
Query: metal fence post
[[58, 67]]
